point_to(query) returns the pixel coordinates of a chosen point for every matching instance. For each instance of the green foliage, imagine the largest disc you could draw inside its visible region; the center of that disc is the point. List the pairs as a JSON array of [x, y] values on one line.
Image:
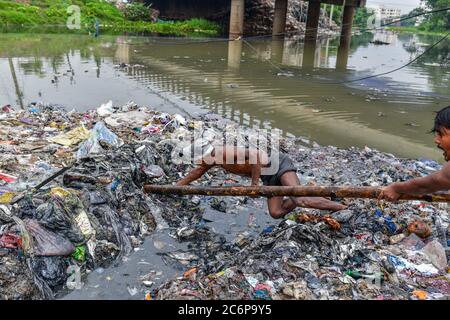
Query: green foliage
[[412, 21], [46, 15], [102, 11], [417, 30], [200, 24], [362, 16], [137, 11], [437, 21], [192, 27], [337, 14]]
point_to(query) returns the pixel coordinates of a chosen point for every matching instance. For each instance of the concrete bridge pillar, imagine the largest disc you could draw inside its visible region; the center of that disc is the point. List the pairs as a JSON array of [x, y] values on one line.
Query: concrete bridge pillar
[[346, 37], [312, 27], [279, 21], [237, 18]]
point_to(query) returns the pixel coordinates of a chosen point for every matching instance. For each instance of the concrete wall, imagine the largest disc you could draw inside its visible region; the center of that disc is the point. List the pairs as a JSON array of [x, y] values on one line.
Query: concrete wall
[[186, 9]]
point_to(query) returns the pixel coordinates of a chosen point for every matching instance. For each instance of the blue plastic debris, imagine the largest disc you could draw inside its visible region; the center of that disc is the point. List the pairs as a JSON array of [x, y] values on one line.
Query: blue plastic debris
[[115, 184], [396, 261], [262, 294], [206, 199], [268, 229], [390, 225]]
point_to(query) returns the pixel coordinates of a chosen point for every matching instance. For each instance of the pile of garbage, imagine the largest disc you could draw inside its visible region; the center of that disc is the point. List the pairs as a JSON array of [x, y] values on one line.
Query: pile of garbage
[[72, 201], [92, 214], [260, 14], [369, 251]]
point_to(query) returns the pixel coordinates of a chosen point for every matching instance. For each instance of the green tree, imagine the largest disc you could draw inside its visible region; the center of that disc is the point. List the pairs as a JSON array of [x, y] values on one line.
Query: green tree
[[337, 14], [137, 11], [362, 15], [412, 22], [437, 21]]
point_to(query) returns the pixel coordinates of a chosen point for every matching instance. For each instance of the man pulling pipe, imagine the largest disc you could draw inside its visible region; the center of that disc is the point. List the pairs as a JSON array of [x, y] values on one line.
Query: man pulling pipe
[[438, 181]]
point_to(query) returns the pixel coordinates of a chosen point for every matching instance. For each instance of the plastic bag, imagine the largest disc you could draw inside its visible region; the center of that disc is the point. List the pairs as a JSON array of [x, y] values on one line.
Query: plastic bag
[[7, 177], [84, 224], [52, 270], [71, 137], [178, 121], [105, 109], [54, 217], [153, 171], [436, 253], [46, 242], [135, 118], [79, 253], [100, 136]]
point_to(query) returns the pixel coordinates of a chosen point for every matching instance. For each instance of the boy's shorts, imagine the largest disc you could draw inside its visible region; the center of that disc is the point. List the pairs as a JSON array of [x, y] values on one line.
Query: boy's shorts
[[285, 165]]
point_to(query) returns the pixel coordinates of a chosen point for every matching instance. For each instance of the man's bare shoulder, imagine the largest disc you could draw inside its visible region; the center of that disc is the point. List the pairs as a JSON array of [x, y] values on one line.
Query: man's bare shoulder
[[445, 171]]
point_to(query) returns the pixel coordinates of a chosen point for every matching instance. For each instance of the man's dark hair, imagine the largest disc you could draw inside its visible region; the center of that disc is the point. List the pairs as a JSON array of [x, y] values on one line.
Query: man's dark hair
[[442, 119]]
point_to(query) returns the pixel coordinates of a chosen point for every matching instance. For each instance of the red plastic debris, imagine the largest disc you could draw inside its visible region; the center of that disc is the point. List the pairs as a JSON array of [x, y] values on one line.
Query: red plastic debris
[[7, 108], [10, 241], [7, 177]]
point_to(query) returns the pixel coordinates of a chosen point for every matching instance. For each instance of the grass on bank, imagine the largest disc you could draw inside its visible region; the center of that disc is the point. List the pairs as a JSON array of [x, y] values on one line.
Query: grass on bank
[[50, 15], [416, 30]]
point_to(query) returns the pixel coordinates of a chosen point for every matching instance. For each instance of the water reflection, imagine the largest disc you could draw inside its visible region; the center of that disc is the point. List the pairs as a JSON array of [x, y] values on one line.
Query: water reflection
[[123, 50], [277, 50], [19, 93], [234, 54], [234, 79], [297, 53]]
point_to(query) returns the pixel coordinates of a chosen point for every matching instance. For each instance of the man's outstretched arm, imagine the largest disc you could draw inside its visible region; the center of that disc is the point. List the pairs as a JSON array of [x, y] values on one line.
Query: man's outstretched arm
[[256, 168], [195, 174], [261, 159], [439, 181]]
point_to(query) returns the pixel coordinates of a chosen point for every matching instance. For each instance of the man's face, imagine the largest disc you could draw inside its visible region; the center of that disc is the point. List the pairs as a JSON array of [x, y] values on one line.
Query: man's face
[[442, 140]]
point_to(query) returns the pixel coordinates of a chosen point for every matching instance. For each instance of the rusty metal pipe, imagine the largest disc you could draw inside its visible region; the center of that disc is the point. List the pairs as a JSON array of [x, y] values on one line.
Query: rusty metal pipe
[[295, 191]]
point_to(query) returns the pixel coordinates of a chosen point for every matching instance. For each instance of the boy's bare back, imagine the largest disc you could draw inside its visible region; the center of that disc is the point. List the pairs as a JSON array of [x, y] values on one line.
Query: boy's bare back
[[237, 160]]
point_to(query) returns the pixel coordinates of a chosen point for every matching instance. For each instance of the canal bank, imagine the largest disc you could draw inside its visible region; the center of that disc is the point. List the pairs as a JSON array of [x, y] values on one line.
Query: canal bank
[[95, 17]]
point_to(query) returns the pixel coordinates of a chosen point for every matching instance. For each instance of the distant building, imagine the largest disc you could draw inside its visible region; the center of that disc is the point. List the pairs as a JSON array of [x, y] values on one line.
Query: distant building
[[386, 13], [389, 13]]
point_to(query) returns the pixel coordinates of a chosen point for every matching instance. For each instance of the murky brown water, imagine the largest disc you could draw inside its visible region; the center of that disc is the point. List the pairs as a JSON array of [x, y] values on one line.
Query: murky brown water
[[259, 83]]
